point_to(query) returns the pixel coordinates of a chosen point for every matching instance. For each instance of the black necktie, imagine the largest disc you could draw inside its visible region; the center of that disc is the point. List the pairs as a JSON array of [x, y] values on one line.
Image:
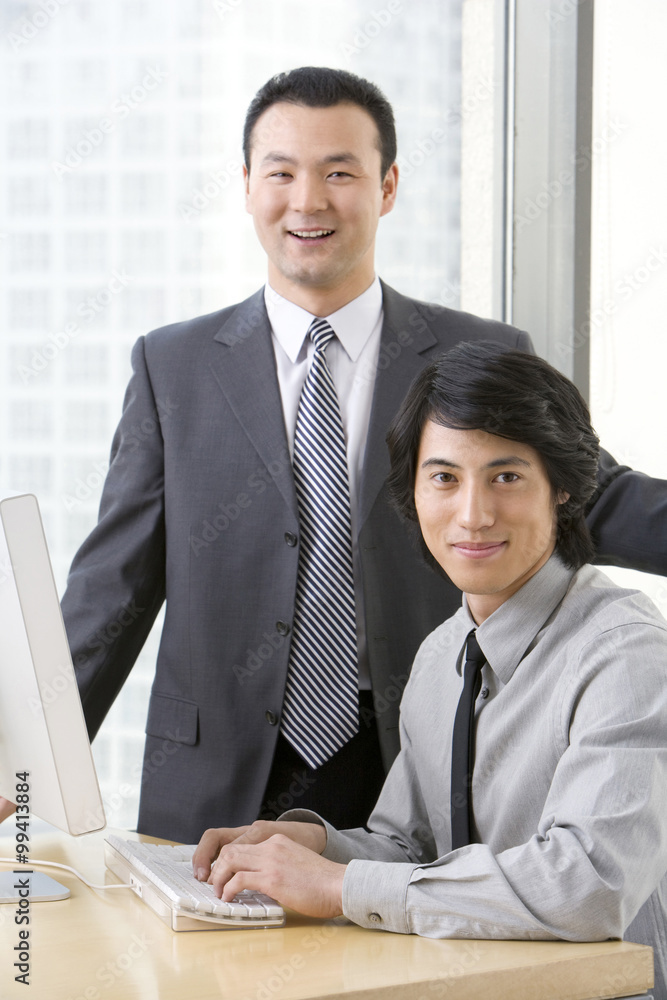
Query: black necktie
[[463, 754]]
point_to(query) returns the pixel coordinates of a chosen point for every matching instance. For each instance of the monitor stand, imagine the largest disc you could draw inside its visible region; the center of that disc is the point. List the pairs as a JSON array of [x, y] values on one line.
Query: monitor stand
[[42, 887]]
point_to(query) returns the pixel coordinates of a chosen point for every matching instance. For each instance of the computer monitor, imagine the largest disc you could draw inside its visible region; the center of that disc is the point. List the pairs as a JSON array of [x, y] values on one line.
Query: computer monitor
[[42, 729]]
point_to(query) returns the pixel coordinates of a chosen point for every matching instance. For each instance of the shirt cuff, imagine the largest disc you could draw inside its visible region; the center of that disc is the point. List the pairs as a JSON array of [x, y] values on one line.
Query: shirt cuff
[[374, 894], [301, 816], [334, 848]]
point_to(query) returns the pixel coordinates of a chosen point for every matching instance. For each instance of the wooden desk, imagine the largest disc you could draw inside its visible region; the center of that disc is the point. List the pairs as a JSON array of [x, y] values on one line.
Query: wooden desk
[[108, 946]]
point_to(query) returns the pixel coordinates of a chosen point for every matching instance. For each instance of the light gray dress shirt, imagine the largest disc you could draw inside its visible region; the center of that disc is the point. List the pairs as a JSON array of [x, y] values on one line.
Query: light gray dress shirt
[[569, 784], [352, 357]]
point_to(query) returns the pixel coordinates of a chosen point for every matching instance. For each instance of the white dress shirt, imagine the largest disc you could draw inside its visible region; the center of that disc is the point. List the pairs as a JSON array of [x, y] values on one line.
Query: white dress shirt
[[569, 779], [351, 355]]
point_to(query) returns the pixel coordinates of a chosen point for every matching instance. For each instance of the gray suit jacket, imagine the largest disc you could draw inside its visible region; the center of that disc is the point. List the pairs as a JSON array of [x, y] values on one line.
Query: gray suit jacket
[[199, 509]]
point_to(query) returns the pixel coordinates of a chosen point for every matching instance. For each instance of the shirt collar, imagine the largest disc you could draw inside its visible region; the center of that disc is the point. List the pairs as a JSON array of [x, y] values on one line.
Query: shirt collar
[[353, 324], [506, 635]]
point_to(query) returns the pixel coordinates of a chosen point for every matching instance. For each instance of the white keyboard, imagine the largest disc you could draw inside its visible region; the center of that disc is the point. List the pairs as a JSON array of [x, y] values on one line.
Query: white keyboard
[[162, 876]]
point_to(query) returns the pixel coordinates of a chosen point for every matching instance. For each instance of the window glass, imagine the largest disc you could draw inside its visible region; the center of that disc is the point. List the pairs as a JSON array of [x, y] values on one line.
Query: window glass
[[124, 208], [629, 252]]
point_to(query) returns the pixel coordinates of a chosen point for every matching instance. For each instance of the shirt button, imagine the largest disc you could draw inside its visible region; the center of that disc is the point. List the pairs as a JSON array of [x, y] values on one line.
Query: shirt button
[[484, 693], [290, 539], [282, 628], [375, 918], [271, 717]]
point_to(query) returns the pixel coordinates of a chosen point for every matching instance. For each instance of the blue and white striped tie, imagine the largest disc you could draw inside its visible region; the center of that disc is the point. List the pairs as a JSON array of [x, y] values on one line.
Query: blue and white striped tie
[[321, 707]]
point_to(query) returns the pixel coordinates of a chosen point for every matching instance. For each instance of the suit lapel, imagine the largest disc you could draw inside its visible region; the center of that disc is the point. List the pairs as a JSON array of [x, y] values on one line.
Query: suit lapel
[[246, 373], [405, 335]]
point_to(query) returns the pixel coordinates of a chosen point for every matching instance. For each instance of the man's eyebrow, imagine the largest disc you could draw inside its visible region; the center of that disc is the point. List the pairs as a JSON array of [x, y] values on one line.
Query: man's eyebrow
[[278, 157], [496, 463]]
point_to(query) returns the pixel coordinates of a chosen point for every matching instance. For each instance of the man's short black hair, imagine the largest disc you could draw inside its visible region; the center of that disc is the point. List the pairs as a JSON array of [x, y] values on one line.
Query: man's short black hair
[[487, 386], [320, 87]]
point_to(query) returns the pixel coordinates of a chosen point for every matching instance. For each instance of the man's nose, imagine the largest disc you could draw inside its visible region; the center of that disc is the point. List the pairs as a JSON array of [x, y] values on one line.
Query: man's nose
[[475, 510], [308, 195]]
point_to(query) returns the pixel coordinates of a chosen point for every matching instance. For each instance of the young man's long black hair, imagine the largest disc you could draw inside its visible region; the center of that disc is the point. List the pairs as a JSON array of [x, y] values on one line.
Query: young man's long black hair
[[487, 386]]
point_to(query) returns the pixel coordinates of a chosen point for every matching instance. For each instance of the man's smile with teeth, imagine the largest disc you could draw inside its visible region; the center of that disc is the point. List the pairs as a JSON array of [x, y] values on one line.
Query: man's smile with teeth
[[309, 235]]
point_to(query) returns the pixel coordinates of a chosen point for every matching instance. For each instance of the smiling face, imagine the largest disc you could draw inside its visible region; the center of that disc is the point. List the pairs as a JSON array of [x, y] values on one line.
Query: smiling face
[[486, 511], [315, 193]]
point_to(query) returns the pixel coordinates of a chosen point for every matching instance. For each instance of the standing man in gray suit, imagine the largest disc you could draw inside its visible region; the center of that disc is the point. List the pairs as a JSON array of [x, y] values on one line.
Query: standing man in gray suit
[[200, 507]]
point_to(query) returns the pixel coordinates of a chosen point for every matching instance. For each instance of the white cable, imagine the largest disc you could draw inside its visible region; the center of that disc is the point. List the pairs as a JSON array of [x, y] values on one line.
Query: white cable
[[56, 864]]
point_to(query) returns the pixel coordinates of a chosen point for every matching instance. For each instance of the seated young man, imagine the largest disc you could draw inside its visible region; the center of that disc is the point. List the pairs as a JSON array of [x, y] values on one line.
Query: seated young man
[[564, 832]]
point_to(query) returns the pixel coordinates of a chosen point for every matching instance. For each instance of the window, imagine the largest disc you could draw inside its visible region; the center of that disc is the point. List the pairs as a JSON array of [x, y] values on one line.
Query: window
[[86, 194], [142, 194], [86, 251], [143, 252], [31, 420], [86, 421], [29, 251], [28, 139], [160, 200], [143, 135], [33, 473], [29, 309], [28, 196], [87, 77]]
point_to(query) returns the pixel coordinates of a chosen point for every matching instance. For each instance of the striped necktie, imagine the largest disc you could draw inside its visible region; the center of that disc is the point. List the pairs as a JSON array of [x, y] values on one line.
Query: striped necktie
[[321, 706]]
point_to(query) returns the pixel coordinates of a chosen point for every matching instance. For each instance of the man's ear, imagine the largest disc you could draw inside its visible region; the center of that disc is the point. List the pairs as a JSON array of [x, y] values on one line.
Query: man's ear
[[389, 186], [246, 185]]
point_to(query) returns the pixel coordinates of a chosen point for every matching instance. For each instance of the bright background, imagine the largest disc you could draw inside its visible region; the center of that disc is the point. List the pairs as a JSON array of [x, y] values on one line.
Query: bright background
[[121, 209], [109, 230]]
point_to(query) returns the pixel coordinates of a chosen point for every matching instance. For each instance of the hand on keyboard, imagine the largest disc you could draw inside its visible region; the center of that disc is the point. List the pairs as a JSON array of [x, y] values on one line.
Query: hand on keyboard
[[310, 835], [289, 872], [169, 870]]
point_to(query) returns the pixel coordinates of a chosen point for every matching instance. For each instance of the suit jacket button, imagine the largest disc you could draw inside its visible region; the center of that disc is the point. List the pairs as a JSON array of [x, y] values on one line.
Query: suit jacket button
[[282, 628], [375, 918], [271, 717], [291, 539]]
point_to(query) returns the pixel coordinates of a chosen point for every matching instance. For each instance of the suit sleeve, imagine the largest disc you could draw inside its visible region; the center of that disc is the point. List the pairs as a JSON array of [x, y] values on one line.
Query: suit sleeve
[[116, 584], [627, 515], [628, 518]]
